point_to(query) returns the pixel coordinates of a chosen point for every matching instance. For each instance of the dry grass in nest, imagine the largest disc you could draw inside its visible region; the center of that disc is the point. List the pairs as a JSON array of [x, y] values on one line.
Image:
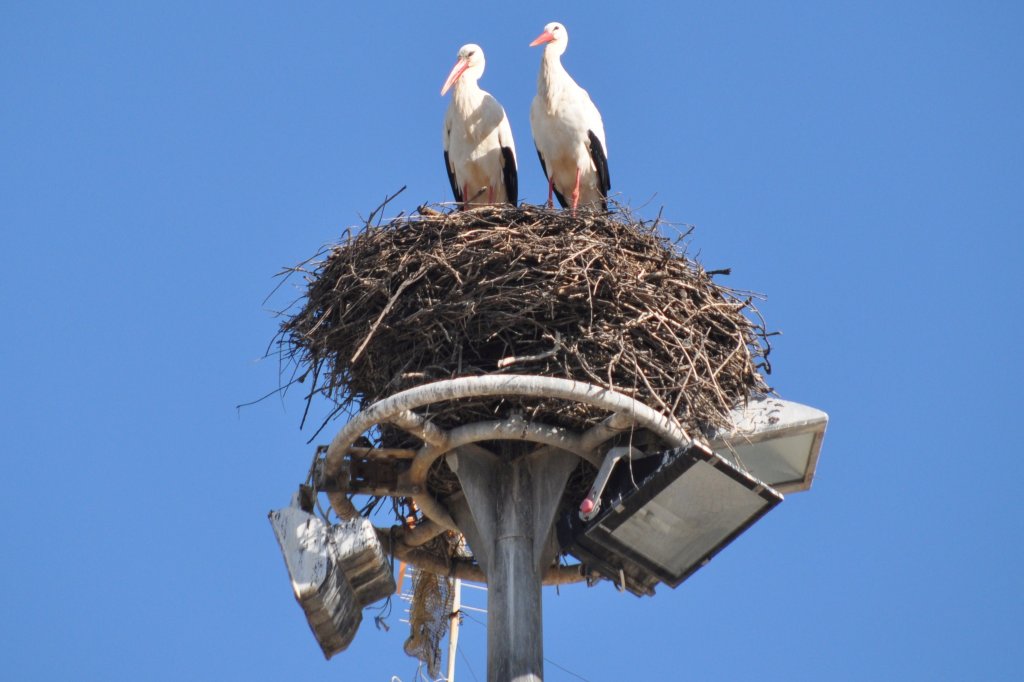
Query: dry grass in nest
[[601, 298]]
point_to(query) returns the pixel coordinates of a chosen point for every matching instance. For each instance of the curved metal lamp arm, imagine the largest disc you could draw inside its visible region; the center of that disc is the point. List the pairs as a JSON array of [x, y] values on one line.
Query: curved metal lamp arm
[[397, 410], [393, 409]]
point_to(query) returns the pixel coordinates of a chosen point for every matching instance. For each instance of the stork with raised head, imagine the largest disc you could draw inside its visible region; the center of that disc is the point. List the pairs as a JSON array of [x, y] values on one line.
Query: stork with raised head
[[567, 130], [479, 153]]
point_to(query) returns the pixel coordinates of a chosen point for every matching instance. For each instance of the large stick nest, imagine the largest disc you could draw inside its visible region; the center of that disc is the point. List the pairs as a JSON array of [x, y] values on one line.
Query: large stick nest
[[601, 298]]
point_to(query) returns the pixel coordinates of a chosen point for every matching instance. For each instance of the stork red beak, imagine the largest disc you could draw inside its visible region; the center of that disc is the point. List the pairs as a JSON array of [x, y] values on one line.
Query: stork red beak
[[457, 70], [544, 37]]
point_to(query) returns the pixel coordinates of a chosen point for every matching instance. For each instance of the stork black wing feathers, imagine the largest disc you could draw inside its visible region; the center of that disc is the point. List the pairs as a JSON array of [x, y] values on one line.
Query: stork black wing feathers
[[456, 190], [509, 175], [604, 181]]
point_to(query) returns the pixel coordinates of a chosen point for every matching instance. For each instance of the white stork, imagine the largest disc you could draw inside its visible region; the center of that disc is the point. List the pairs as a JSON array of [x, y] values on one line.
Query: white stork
[[479, 153], [567, 129]]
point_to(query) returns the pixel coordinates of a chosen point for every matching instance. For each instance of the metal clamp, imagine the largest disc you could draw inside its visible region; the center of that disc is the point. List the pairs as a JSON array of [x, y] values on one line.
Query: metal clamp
[[591, 504]]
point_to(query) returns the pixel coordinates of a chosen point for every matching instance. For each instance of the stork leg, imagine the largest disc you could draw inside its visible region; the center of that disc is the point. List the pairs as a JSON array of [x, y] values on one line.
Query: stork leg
[[576, 192], [465, 196], [551, 190], [490, 195]]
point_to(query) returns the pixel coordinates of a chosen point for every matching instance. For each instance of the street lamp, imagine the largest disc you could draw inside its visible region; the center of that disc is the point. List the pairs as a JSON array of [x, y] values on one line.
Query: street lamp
[[664, 525], [676, 510], [776, 441], [335, 571]]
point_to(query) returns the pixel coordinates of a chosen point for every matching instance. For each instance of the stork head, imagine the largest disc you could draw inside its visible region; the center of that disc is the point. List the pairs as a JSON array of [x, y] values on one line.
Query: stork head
[[556, 37], [470, 64]]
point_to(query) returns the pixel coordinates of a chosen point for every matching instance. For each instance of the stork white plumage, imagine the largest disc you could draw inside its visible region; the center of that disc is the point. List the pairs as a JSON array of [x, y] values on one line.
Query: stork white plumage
[[567, 129], [479, 153]]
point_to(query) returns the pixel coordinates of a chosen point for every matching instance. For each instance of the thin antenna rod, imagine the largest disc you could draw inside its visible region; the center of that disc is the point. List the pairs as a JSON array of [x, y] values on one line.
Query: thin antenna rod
[[453, 628]]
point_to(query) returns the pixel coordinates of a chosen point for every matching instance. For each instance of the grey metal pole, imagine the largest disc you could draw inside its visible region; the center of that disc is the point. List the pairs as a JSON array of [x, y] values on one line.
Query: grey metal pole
[[507, 519], [515, 642]]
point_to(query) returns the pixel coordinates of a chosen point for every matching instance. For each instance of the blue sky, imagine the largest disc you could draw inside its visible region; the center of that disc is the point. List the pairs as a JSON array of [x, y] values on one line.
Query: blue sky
[[862, 164]]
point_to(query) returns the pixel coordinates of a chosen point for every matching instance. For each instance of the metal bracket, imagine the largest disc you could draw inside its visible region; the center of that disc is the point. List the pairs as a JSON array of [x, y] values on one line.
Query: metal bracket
[[591, 504]]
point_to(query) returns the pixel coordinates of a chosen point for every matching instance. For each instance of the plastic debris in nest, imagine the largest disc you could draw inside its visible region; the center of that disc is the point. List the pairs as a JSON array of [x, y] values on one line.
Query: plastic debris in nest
[[430, 611]]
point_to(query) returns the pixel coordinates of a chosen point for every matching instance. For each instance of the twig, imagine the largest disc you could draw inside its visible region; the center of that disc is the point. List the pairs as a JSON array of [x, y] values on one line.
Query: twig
[[391, 302], [512, 360]]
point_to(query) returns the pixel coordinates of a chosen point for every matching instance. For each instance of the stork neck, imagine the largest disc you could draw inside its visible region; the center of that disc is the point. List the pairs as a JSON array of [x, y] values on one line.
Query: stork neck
[[552, 76], [467, 93]]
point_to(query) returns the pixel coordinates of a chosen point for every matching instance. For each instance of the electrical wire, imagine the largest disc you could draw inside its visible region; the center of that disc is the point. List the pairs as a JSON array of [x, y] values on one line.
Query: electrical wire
[[468, 665], [564, 669], [546, 659]]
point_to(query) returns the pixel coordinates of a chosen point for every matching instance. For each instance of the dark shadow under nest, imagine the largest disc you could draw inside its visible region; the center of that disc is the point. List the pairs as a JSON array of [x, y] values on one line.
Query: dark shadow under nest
[[600, 298]]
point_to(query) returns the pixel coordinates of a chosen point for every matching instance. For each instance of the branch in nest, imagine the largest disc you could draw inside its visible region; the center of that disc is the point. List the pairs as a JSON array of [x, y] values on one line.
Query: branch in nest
[[512, 360]]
